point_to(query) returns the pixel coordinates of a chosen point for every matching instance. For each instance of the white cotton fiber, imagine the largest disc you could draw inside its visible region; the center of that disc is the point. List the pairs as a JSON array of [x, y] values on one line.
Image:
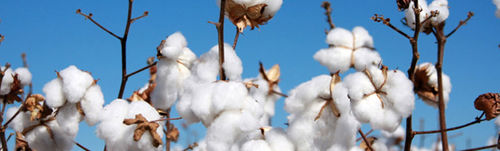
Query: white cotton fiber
[[256, 145], [340, 37], [6, 81], [365, 57], [92, 104], [39, 138], [278, 140], [24, 75], [336, 59], [433, 82], [410, 14], [400, 92], [272, 7], [111, 127], [228, 96], [232, 63], [75, 83], [21, 121], [174, 45], [442, 7], [187, 57], [361, 37], [497, 3], [206, 68], [54, 95], [146, 110], [68, 119]]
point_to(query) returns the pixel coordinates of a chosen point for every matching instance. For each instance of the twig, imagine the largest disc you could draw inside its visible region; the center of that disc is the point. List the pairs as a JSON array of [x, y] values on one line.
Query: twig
[[279, 93], [142, 16], [328, 12], [81, 146], [461, 23], [10, 136], [220, 33], [89, 17], [25, 64], [191, 146], [167, 119], [387, 21], [366, 140], [142, 69], [236, 38], [14, 116], [168, 127], [441, 40], [450, 129], [367, 133]]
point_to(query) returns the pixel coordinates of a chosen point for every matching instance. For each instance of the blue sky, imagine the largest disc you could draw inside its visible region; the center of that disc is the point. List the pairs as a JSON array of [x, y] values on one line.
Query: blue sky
[[54, 37]]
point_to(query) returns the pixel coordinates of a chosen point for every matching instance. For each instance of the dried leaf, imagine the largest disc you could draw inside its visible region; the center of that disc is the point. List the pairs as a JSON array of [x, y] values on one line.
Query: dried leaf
[[424, 90], [33, 104], [489, 104], [173, 134]]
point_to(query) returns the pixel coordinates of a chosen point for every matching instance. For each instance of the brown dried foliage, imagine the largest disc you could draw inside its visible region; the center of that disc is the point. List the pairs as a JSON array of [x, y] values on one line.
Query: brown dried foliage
[[173, 134], [422, 87], [34, 104], [144, 125], [243, 16], [21, 143], [489, 103]]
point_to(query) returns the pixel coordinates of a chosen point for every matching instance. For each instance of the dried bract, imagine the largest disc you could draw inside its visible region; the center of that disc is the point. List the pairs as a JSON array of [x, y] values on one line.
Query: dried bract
[[21, 143], [244, 14], [144, 125], [489, 104]]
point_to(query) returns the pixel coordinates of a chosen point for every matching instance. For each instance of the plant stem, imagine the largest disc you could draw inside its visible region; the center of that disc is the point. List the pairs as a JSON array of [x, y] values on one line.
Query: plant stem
[[236, 38], [449, 129], [220, 31], [368, 144], [441, 40], [123, 42]]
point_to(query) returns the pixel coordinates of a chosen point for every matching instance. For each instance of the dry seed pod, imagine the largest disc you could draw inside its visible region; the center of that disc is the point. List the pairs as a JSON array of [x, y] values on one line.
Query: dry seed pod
[[489, 104], [426, 84]]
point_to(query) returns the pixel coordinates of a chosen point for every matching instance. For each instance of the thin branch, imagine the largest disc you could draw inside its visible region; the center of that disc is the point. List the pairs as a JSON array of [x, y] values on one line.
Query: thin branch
[[441, 40], [89, 17], [142, 16], [10, 136], [387, 21], [461, 23], [220, 33], [236, 38], [279, 93], [142, 69], [81, 146], [123, 43], [191, 146], [167, 119], [367, 133], [328, 12], [476, 121], [14, 116], [368, 144]]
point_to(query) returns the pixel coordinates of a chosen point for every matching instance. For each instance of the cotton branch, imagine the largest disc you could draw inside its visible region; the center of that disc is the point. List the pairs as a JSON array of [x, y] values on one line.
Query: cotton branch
[[461, 23], [476, 121], [368, 144], [328, 12], [123, 42], [191, 147], [81, 146], [220, 33]]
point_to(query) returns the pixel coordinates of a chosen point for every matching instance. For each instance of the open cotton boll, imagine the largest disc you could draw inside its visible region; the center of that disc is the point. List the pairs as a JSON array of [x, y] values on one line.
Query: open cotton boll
[[6, 81], [174, 45], [68, 119], [232, 63], [340, 37], [39, 138], [143, 108], [399, 91], [410, 14], [224, 130], [92, 104], [335, 59], [187, 57], [256, 145], [184, 104], [24, 75], [111, 127], [75, 83], [442, 7], [54, 95], [168, 84], [207, 67], [201, 103]]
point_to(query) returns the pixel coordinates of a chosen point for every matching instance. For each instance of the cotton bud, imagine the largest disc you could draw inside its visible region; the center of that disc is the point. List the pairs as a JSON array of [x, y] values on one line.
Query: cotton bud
[[253, 13], [489, 104], [426, 84]]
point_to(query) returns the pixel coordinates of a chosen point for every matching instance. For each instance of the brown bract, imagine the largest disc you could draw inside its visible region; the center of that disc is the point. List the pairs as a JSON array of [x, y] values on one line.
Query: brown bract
[[363, 144], [34, 104], [424, 90], [489, 104], [272, 76], [243, 16], [173, 134], [144, 125], [21, 143], [15, 90]]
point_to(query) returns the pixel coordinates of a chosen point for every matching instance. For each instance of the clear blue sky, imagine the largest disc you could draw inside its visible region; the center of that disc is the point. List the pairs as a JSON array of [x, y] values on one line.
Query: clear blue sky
[[54, 37]]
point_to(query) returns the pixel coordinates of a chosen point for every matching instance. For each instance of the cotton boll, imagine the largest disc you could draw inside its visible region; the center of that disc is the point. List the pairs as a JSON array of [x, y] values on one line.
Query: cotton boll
[[410, 14], [388, 121], [272, 7], [335, 59], [187, 57], [379, 146], [75, 83], [345, 131], [232, 63], [442, 7], [256, 145], [111, 127], [54, 95], [168, 83], [6, 81], [201, 103], [184, 109], [92, 104], [306, 92], [278, 140], [358, 85], [301, 133], [223, 131], [173, 46], [24, 75], [143, 108], [68, 119], [365, 58], [340, 37], [367, 109]]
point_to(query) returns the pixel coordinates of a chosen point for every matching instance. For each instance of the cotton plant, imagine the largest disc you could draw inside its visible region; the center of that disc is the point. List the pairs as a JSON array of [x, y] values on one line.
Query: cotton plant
[[438, 6], [175, 59], [134, 125], [320, 115], [380, 97], [426, 84], [253, 13], [349, 49]]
